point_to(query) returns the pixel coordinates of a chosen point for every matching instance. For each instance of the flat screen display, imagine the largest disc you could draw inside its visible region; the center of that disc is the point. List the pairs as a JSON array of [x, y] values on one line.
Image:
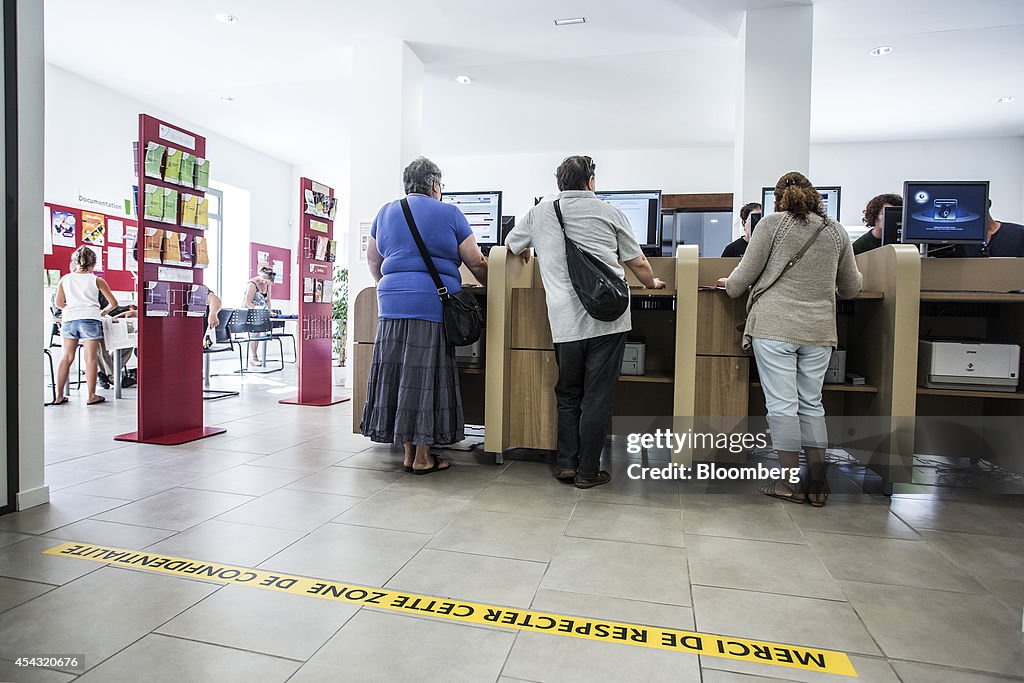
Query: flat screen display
[[944, 212], [482, 210], [643, 210], [892, 225], [829, 197]]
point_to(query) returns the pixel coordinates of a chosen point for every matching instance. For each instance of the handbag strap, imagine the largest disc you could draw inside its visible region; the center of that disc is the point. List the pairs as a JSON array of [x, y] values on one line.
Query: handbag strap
[[791, 262], [442, 291]]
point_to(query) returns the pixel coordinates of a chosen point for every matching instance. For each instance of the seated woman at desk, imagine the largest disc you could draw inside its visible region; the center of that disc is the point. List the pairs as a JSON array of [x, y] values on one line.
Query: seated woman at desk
[[257, 295], [78, 298], [797, 259], [412, 395]]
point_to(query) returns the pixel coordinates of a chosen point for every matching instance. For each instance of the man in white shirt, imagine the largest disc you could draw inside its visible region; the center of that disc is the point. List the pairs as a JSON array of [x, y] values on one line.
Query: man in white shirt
[[588, 351]]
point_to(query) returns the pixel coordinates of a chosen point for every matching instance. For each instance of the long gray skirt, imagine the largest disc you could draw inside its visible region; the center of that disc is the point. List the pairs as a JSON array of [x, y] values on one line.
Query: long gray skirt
[[413, 394]]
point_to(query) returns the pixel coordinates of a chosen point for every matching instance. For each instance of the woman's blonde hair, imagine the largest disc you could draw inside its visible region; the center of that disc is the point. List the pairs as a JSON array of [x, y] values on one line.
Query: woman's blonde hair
[[795, 193], [83, 258]]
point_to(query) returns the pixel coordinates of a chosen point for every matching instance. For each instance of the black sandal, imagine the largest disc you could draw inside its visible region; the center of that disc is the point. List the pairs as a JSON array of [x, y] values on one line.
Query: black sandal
[[774, 489], [60, 402], [817, 493], [438, 461]]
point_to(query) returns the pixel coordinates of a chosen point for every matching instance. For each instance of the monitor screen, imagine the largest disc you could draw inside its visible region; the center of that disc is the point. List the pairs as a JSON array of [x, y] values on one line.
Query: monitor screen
[[892, 225], [944, 212], [643, 210], [482, 210], [507, 223], [829, 197]]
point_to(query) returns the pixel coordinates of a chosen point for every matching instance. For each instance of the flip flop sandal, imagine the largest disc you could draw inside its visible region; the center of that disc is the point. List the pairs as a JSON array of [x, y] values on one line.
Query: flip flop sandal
[[98, 399], [774, 489], [407, 468], [438, 461], [60, 402]]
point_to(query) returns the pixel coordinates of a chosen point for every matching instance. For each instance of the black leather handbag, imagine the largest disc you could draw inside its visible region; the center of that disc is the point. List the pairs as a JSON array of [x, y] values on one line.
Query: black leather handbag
[[604, 295], [463, 318]]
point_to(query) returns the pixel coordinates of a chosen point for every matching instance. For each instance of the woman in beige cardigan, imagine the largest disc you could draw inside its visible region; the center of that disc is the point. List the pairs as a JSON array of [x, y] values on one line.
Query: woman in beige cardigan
[[796, 262]]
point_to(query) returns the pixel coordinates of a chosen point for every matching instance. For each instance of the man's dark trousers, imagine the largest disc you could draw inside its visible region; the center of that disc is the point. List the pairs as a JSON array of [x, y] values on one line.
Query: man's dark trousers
[[588, 371]]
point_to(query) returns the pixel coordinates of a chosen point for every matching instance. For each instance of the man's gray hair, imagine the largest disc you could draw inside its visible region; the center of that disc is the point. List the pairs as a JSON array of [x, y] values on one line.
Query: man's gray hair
[[420, 176]]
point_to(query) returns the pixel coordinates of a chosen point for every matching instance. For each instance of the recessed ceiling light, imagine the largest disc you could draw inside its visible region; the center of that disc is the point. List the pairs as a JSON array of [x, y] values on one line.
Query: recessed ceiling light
[[570, 21], [713, 220], [1006, 100], [225, 18], [227, 98], [463, 80], [881, 51]]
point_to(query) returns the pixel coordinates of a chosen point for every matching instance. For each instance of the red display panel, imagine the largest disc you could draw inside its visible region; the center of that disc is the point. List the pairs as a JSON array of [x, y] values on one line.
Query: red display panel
[[170, 372], [122, 280], [315, 267], [279, 259]]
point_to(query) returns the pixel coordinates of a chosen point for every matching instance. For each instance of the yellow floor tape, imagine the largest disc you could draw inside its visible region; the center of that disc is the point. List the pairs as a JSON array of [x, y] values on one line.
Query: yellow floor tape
[[710, 645]]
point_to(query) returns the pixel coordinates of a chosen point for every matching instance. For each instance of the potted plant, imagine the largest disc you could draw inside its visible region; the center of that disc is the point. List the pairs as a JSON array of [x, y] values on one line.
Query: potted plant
[[340, 316]]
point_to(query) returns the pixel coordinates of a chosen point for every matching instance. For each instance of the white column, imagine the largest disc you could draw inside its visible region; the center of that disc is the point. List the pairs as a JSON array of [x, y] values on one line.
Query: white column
[[773, 105], [31, 489], [386, 134]]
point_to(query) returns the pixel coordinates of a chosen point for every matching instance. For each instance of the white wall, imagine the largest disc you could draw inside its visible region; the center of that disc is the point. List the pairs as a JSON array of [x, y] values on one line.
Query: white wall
[[521, 177], [89, 134], [867, 169], [863, 170]]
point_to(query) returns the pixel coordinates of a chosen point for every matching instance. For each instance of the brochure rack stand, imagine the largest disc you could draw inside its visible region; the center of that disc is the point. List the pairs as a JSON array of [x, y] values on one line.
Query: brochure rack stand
[[316, 253], [170, 372]]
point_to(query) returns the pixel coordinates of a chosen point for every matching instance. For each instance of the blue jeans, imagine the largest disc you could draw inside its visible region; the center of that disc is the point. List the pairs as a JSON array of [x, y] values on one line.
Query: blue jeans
[[791, 376]]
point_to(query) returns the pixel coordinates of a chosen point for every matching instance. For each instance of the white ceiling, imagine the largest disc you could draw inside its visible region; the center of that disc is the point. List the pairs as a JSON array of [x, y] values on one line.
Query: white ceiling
[[645, 73]]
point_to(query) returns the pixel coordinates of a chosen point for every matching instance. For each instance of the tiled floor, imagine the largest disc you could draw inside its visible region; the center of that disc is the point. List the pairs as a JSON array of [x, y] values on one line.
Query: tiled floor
[[916, 588]]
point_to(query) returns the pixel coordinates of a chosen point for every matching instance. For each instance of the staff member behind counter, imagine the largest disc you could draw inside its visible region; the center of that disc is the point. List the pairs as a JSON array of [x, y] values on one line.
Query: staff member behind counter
[[873, 213], [588, 351], [739, 246], [1001, 239]]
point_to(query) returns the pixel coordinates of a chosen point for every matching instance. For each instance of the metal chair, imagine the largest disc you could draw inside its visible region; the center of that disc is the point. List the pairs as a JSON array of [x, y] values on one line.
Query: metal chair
[[255, 324], [55, 334], [53, 377], [222, 342], [279, 325]]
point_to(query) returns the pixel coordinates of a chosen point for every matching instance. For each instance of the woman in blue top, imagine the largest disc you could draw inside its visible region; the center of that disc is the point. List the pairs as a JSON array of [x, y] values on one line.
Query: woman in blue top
[[412, 396]]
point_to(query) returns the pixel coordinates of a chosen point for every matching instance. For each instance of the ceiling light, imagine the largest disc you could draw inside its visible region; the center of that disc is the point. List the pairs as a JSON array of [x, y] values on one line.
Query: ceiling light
[[570, 21], [1006, 100], [713, 220], [463, 80], [881, 51], [225, 18], [227, 98]]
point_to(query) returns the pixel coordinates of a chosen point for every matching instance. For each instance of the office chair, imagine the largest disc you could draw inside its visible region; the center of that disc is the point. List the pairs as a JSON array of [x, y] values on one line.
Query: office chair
[[222, 342]]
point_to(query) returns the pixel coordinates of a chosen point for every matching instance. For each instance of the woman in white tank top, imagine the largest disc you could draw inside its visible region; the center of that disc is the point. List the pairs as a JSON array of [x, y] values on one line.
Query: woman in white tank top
[[79, 301]]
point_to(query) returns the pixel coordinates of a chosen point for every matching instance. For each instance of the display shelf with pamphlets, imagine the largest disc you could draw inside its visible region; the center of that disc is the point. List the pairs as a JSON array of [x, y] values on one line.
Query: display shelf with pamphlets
[[171, 254], [316, 254]]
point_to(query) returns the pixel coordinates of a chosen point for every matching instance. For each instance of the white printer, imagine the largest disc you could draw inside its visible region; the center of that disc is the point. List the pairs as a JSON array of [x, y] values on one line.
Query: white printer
[[968, 365], [471, 356]]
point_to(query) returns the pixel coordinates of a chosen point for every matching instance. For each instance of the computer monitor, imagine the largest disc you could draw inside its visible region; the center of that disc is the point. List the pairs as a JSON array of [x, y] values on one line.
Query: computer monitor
[[507, 223], [482, 210], [642, 209], [829, 197], [755, 218], [892, 225], [936, 212]]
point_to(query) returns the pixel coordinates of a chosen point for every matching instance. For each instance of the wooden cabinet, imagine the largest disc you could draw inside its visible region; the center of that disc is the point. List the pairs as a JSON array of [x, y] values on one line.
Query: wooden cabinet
[[362, 357], [530, 329], [717, 318], [723, 389], [533, 416]]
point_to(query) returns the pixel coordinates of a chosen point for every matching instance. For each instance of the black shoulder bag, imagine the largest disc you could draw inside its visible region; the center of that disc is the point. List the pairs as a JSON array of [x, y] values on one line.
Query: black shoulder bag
[[604, 295], [461, 313]]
